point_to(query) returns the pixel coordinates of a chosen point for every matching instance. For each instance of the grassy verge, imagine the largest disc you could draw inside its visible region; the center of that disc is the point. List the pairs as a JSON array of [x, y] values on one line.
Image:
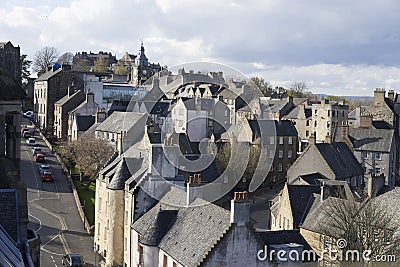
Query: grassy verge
[[87, 197]]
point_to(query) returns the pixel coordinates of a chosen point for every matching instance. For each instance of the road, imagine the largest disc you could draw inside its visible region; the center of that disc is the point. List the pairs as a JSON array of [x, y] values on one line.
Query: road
[[52, 210]]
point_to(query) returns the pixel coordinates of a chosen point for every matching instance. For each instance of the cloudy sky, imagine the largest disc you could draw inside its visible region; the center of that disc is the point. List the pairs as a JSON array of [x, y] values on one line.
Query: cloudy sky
[[336, 47]]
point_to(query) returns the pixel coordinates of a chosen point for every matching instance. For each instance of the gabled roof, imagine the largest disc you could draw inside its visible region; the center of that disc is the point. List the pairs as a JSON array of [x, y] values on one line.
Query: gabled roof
[[120, 121], [390, 201], [65, 99], [84, 122], [272, 128], [193, 233], [283, 237], [9, 89], [379, 140], [340, 159], [47, 75], [299, 196]]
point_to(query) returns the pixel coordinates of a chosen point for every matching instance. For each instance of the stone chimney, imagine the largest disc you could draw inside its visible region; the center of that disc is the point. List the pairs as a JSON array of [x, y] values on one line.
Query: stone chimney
[[100, 115], [193, 189], [366, 121], [240, 209], [391, 95], [71, 90], [90, 97], [379, 96], [312, 139], [344, 134], [375, 184]]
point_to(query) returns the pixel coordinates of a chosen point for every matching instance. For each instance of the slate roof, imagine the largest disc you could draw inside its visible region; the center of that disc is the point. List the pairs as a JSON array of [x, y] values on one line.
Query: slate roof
[[47, 75], [65, 99], [371, 139], [120, 121], [390, 201], [159, 227], [340, 159], [299, 196], [195, 231], [9, 89], [9, 212], [122, 174], [272, 128], [299, 100], [293, 113], [85, 122], [202, 103], [9, 253], [381, 125]]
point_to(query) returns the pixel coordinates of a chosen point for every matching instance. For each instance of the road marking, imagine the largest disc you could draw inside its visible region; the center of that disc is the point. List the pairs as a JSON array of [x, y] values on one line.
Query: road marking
[[40, 222], [61, 219]]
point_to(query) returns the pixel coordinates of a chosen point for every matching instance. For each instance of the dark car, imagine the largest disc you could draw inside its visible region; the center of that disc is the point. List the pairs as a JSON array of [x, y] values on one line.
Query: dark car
[[39, 158], [73, 260]]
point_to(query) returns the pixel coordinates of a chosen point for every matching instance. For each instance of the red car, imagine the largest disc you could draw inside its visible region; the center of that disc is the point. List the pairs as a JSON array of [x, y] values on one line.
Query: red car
[[47, 177], [39, 158]]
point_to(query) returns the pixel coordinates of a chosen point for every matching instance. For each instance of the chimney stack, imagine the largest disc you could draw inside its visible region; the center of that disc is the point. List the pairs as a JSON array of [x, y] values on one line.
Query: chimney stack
[[71, 90], [366, 121], [89, 97], [379, 96], [323, 192], [193, 189], [100, 116], [240, 209], [312, 139], [391, 95]]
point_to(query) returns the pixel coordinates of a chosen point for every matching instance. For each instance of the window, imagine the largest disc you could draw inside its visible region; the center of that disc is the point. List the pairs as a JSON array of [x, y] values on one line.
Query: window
[[226, 113], [364, 154], [244, 178], [126, 217], [141, 255], [280, 154], [165, 261], [378, 156], [210, 113], [328, 124], [105, 233], [272, 168], [181, 111], [315, 123], [343, 113], [290, 140], [307, 122], [315, 112], [307, 133], [284, 222], [174, 264], [377, 170], [125, 244], [100, 203], [280, 167], [271, 154], [329, 113], [281, 140], [271, 140], [290, 154], [280, 220], [98, 230]]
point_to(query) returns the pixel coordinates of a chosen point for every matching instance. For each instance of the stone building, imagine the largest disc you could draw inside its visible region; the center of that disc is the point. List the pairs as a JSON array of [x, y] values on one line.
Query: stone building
[[61, 109], [10, 60], [333, 161], [89, 59], [83, 116], [13, 192], [382, 109], [48, 89], [375, 149], [142, 69]]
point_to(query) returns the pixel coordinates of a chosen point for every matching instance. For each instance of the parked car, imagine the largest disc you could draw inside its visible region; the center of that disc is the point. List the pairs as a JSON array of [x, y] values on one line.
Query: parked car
[[31, 141], [28, 114], [47, 176], [36, 150], [26, 133], [75, 260], [43, 167], [39, 158]]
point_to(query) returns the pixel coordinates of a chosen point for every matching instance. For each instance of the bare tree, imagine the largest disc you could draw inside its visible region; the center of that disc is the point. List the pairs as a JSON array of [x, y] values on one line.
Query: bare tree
[[44, 58], [65, 58], [364, 226], [298, 89], [91, 154]]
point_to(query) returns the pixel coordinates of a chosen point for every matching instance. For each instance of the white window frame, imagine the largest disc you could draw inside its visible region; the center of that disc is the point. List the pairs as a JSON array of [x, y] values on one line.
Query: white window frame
[[290, 154], [281, 141], [280, 155]]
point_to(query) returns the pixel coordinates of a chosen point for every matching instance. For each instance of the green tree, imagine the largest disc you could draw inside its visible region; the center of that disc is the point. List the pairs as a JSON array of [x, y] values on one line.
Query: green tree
[[257, 83], [120, 69], [44, 58], [100, 65], [25, 65]]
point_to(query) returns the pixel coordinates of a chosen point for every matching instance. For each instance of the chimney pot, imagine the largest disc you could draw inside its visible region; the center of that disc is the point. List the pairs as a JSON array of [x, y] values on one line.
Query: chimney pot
[[190, 179], [199, 178]]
